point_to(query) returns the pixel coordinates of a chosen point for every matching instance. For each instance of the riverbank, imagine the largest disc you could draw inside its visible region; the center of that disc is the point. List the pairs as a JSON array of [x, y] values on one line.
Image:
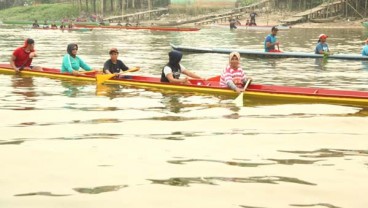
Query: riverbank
[[275, 18]]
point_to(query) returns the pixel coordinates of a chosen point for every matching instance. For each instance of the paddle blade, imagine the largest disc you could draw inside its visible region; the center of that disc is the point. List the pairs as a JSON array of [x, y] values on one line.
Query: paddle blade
[[101, 78], [239, 100]]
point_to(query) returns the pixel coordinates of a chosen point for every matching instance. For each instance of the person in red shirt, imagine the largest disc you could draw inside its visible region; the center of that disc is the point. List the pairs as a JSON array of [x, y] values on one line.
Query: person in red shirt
[[22, 57]]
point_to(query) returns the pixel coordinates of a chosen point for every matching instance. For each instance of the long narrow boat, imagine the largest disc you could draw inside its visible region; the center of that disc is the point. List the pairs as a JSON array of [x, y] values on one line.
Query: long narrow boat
[[293, 94], [259, 53], [271, 92], [247, 27], [156, 28], [49, 72]]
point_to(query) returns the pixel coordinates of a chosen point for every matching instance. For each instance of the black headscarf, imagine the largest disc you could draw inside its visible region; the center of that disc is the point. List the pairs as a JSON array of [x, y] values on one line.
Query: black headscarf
[[70, 48], [174, 59]]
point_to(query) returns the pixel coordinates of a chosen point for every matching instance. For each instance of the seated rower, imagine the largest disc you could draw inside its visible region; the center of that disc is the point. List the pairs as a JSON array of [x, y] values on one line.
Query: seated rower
[[35, 24], [114, 65], [45, 25], [233, 75], [271, 41], [322, 46], [172, 71], [365, 48], [22, 57], [62, 26], [53, 25], [72, 63]]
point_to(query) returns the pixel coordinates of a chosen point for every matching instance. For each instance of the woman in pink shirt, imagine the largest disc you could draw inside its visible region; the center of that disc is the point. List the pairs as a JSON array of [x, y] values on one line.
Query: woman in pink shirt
[[233, 75]]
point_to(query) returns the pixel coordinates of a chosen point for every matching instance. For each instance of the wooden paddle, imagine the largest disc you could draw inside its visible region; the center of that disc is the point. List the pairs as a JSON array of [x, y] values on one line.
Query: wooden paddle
[[239, 100], [101, 78]]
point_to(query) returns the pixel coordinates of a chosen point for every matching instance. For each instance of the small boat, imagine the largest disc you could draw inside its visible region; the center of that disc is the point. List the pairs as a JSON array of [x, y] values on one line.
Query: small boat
[[250, 27], [259, 53], [212, 86], [324, 20], [49, 72], [156, 28]]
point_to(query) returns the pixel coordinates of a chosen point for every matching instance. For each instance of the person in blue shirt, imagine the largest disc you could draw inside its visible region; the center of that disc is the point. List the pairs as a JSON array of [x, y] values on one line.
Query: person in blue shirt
[[322, 46], [72, 63], [271, 41], [365, 48]]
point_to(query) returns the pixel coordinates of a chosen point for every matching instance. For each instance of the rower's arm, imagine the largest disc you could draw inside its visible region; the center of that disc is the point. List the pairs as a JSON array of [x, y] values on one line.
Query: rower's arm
[[191, 74], [12, 63]]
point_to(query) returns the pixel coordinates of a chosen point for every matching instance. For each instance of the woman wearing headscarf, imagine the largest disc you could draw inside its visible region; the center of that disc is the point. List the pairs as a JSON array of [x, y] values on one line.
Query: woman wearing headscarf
[[72, 62], [172, 71], [233, 75]]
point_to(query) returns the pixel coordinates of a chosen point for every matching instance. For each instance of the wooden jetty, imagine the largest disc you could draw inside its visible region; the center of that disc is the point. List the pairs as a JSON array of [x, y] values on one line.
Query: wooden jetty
[[324, 10], [236, 13], [138, 15]]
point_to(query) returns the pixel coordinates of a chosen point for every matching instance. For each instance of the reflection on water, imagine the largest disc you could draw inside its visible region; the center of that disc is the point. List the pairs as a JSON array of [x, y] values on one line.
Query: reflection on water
[[99, 189], [232, 163], [326, 153], [321, 63], [316, 205], [41, 194], [212, 180]]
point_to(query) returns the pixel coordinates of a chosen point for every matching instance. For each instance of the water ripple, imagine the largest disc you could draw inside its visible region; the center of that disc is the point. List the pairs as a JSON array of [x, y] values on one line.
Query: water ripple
[[232, 163], [41, 193], [99, 189], [326, 153], [186, 181]]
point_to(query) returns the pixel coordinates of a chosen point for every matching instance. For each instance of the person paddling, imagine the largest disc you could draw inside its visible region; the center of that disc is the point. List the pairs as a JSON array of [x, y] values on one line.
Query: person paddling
[[365, 48], [35, 24], [22, 57], [322, 46], [233, 75], [114, 65], [271, 41], [72, 63], [53, 25], [172, 71]]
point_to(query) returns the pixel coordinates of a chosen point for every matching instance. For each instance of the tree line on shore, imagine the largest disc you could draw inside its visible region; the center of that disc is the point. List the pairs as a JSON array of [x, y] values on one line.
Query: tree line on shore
[[357, 8]]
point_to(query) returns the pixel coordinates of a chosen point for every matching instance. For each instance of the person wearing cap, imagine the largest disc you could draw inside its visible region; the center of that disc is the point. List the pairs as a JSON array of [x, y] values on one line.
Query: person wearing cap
[[173, 69], [271, 41], [114, 65], [322, 46], [22, 57], [233, 75], [365, 48], [72, 63]]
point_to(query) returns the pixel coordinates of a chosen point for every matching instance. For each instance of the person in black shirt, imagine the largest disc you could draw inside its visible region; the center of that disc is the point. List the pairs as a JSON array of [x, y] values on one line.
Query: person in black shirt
[[114, 65], [35, 24]]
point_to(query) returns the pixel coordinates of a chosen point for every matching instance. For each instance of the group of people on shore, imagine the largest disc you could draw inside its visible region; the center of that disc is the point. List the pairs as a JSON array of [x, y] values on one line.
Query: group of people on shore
[[234, 22], [233, 75]]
